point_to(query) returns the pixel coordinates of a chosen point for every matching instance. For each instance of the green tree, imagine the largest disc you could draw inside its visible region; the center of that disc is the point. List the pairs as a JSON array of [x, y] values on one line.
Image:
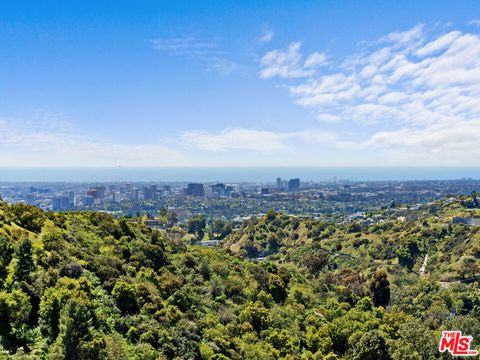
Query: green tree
[[316, 262], [469, 267], [414, 342], [25, 264], [277, 288], [283, 341], [14, 310], [125, 297], [408, 252], [162, 212], [257, 315], [27, 216], [6, 252], [220, 228], [54, 300], [75, 331], [372, 346], [116, 348], [162, 216], [196, 226], [318, 339], [172, 218], [380, 288], [271, 215]]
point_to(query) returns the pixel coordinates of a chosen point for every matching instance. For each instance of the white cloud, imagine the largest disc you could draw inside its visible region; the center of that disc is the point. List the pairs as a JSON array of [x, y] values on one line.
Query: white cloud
[[207, 52], [475, 22], [285, 64], [401, 38], [234, 139], [47, 139], [328, 118], [392, 98], [438, 144], [438, 44], [290, 63], [312, 135], [56, 143], [373, 113], [266, 35], [315, 59], [187, 46], [422, 86]]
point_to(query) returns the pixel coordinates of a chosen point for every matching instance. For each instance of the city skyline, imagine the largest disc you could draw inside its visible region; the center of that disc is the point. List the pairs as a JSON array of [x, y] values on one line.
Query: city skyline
[[335, 198], [203, 84]]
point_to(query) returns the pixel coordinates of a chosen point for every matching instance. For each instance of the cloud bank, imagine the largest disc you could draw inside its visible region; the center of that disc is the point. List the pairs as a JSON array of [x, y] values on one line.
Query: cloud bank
[[420, 87], [53, 142]]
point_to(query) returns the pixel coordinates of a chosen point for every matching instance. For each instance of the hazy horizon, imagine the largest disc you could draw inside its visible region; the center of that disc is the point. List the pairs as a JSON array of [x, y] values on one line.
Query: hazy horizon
[[232, 174]]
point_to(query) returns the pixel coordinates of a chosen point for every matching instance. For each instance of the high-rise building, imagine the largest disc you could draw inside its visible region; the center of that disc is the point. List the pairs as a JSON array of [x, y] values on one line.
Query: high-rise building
[[294, 184], [56, 203], [136, 195], [150, 192], [279, 182], [71, 198], [88, 201], [218, 189], [97, 192], [228, 190], [195, 190], [117, 196], [77, 201], [60, 203]]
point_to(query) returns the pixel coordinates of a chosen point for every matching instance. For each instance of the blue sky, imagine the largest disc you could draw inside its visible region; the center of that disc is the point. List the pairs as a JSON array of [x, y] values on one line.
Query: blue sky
[[239, 83]]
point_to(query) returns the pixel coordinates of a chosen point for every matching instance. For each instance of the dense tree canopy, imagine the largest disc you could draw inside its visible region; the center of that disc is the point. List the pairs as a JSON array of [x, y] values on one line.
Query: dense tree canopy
[[90, 286]]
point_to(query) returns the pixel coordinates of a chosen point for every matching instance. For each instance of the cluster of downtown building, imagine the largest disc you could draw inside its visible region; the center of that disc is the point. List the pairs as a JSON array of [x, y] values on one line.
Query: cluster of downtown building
[[71, 196], [330, 200]]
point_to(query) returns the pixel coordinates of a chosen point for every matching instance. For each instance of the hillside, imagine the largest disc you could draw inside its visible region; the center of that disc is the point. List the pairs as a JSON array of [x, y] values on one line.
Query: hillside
[[397, 239], [89, 286]]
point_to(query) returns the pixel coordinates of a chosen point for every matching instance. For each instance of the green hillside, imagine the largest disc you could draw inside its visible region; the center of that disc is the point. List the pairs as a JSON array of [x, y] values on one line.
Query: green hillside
[[89, 286], [399, 241]]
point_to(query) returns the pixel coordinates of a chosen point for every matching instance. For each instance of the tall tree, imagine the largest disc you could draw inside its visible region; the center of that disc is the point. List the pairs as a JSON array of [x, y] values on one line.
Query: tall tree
[[6, 252], [25, 264], [172, 218], [125, 297], [196, 225], [380, 288], [75, 323], [220, 228]]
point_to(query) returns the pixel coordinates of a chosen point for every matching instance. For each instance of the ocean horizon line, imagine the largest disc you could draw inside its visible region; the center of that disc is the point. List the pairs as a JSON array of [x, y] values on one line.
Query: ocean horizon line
[[235, 174]]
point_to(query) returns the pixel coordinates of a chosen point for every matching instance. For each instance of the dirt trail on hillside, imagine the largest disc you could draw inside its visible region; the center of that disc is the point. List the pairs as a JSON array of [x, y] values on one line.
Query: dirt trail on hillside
[[424, 266]]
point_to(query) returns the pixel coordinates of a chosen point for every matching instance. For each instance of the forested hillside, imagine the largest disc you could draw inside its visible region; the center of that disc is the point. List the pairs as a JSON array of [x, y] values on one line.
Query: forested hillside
[[397, 243], [89, 286]]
